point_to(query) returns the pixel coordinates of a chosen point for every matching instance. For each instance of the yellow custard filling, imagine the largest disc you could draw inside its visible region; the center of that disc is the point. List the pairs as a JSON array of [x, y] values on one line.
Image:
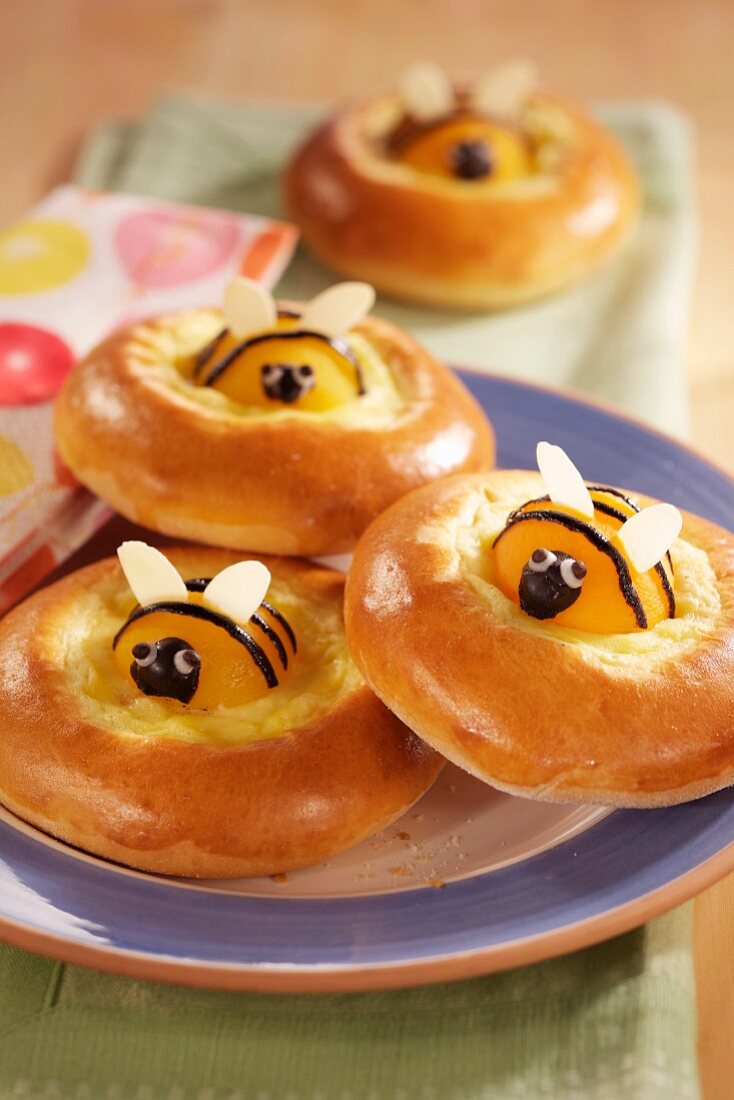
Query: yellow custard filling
[[322, 674], [166, 358], [467, 538]]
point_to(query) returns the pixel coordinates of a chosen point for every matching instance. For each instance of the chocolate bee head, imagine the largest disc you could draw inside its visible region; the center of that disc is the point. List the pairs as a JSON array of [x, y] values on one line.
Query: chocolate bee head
[[471, 160], [470, 135], [269, 358], [551, 582], [287, 382], [207, 642], [167, 668]]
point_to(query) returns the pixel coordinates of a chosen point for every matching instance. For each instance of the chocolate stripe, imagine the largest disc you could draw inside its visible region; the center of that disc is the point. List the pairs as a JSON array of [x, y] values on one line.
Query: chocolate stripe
[[667, 589], [206, 352], [283, 622], [659, 568], [635, 508], [270, 633], [337, 345], [614, 493], [198, 584], [599, 505]]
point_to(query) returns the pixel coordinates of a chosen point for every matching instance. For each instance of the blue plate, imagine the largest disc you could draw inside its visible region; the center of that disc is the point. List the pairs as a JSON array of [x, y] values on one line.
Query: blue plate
[[618, 873]]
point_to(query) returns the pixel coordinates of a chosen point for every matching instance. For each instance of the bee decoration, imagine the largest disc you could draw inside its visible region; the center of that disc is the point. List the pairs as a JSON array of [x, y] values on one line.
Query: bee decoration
[[208, 642], [271, 358], [587, 557], [472, 134]]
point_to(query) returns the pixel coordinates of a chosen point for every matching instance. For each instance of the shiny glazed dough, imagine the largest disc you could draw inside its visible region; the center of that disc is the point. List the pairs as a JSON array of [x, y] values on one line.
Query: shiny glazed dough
[[477, 244], [311, 768], [189, 461], [638, 719]]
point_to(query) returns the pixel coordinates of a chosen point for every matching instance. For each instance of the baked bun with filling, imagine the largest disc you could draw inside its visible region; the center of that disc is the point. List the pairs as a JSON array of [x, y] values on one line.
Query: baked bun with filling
[[475, 196], [217, 727], [276, 429], [561, 642]]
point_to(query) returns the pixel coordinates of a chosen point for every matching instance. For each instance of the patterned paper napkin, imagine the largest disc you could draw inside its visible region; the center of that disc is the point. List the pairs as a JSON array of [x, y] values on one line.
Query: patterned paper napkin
[[83, 263]]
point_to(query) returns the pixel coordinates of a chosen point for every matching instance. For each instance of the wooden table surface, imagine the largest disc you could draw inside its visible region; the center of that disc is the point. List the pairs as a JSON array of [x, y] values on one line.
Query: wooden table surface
[[70, 64]]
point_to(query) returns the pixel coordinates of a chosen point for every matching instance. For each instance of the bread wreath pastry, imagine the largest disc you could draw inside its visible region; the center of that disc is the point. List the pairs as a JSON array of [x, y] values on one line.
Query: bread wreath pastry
[[277, 429], [216, 728], [537, 633], [474, 196]]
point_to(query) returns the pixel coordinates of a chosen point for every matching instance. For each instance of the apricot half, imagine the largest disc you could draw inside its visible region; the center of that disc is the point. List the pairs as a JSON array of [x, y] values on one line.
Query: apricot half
[[615, 598], [286, 368], [436, 150], [231, 672]]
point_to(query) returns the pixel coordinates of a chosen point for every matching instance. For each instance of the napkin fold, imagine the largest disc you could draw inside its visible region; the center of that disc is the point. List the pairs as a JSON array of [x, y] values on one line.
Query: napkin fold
[[616, 1020], [610, 1022]]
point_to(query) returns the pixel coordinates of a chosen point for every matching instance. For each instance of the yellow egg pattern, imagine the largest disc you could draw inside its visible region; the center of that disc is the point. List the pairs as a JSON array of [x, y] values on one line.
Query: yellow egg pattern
[[16, 468], [41, 255]]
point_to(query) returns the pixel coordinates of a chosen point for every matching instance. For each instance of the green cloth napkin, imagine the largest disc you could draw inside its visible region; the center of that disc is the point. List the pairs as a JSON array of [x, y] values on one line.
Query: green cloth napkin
[[614, 1022], [617, 1020]]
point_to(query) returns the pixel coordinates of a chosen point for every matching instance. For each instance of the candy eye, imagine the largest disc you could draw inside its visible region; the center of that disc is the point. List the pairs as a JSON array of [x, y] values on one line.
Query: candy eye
[[304, 372], [541, 560], [144, 653], [573, 572], [271, 371], [186, 661]]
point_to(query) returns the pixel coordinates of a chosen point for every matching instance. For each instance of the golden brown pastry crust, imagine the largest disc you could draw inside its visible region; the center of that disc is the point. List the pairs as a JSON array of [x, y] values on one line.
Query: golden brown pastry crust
[[454, 246], [194, 809], [518, 709], [285, 485]]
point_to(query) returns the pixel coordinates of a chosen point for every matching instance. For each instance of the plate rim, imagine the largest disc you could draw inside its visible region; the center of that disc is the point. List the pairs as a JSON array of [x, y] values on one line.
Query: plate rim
[[604, 405], [356, 977], [365, 977]]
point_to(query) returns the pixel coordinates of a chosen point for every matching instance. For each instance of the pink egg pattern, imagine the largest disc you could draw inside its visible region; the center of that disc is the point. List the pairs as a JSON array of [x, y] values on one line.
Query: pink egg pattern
[[165, 248]]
